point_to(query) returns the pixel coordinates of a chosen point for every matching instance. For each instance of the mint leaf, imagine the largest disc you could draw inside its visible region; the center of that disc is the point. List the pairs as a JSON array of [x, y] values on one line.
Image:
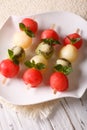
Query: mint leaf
[[10, 52], [29, 33], [74, 40], [12, 57], [51, 41], [29, 64], [32, 64], [40, 66], [22, 26], [26, 30], [65, 69]]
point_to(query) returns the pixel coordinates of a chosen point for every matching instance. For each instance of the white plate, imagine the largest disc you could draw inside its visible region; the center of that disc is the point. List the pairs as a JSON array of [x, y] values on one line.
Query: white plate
[[15, 90]]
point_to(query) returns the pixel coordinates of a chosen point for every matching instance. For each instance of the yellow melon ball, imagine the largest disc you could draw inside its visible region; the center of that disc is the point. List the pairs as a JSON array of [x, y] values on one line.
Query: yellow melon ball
[[22, 39], [69, 52]]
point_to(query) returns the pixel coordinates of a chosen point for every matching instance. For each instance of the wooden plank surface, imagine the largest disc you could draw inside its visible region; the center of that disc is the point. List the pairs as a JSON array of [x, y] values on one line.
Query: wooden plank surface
[[69, 114]]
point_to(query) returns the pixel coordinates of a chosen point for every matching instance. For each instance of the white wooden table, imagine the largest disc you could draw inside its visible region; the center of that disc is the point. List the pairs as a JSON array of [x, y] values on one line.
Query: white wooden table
[[69, 114]]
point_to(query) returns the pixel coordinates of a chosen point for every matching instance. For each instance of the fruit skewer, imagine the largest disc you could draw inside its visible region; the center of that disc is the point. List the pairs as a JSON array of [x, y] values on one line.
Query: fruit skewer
[[67, 55], [49, 38], [28, 28]]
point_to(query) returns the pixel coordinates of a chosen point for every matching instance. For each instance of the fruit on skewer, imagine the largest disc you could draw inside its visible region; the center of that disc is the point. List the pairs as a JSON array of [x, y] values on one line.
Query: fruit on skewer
[[39, 59], [58, 82], [17, 53], [63, 65], [32, 77], [22, 39], [38, 62], [8, 68], [72, 43], [30, 24], [28, 28], [49, 38], [75, 39], [67, 55], [45, 49], [68, 52]]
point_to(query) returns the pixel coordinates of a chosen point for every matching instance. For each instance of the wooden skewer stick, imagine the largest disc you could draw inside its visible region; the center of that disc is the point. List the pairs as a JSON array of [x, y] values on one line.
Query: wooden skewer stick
[[33, 17], [54, 91], [4, 80], [52, 26], [28, 86], [78, 30]]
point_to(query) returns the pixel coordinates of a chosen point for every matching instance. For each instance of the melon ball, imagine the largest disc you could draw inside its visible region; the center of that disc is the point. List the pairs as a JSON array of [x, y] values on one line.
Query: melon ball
[[69, 52], [22, 39]]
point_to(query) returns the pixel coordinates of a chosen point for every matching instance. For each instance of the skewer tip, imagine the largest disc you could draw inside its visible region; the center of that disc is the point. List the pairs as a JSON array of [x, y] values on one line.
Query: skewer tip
[[4, 80], [78, 30], [28, 86], [52, 26], [54, 91]]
